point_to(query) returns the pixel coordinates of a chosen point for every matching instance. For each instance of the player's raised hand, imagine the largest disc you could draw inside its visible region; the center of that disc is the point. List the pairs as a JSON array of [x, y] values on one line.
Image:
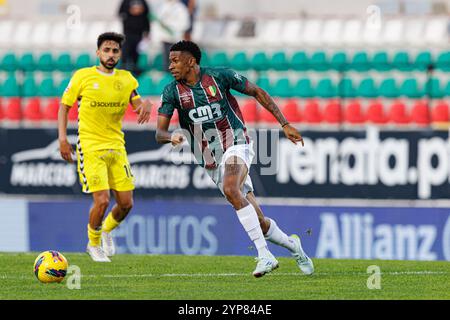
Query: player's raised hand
[[66, 150], [144, 111], [292, 134], [176, 138]]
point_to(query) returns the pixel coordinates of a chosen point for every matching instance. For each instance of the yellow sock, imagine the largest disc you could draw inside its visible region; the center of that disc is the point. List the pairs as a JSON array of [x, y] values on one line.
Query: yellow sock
[[109, 224], [94, 236]]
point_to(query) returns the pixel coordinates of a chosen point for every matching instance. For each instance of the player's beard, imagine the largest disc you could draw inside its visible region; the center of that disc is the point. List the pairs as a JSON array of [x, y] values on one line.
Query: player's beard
[[109, 66]]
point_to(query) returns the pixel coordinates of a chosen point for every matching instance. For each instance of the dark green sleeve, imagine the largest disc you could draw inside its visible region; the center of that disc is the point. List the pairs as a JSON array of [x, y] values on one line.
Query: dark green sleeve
[[167, 102], [233, 80]]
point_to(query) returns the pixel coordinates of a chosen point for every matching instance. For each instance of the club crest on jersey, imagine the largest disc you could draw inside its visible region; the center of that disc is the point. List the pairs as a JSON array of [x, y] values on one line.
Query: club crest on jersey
[[212, 90], [118, 85], [205, 113]]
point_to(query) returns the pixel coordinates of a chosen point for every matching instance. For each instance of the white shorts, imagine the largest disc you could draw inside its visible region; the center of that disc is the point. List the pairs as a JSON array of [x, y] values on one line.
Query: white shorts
[[242, 151]]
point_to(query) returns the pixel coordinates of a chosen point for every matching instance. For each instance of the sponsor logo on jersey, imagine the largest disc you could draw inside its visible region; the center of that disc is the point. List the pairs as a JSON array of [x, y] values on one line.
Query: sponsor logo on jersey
[[205, 113]]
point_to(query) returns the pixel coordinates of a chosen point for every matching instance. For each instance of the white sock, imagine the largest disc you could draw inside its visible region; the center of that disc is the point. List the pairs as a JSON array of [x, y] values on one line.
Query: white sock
[[249, 220], [277, 236]]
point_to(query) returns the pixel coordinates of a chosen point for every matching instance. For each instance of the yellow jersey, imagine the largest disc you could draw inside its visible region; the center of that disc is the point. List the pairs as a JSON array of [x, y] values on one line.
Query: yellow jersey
[[102, 101]]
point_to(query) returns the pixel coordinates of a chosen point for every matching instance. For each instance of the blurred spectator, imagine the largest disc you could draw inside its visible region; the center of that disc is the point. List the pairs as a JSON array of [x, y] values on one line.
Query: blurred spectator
[[136, 26], [191, 5], [173, 20]]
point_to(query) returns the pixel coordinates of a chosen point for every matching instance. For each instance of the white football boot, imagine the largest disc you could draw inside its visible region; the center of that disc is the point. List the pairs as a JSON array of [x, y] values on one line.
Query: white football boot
[[303, 261], [265, 265], [97, 254], [108, 244]]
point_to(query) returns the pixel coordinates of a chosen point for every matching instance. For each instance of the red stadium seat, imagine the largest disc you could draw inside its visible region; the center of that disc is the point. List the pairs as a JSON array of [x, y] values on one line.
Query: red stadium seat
[[32, 110], [420, 113], [249, 111], [440, 113], [332, 112], [397, 113], [51, 110], [312, 113], [174, 119], [13, 110], [130, 115], [2, 114], [375, 113], [291, 111], [73, 112], [266, 116], [353, 113]]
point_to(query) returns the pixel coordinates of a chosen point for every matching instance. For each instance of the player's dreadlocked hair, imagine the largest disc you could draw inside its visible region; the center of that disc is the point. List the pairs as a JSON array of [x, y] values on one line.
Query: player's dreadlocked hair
[[113, 36], [190, 47]]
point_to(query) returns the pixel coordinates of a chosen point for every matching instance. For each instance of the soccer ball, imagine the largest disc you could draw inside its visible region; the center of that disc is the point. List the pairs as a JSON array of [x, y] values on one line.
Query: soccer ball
[[50, 266]]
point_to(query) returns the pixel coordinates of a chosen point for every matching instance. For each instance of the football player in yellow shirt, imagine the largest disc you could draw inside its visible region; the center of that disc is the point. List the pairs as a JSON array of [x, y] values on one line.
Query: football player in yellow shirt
[[103, 94]]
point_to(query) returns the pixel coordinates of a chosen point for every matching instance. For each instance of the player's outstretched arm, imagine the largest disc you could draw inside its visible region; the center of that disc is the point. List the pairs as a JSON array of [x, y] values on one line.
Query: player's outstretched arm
[[64, 146], [267, 102], [163, 135], [143, 108]]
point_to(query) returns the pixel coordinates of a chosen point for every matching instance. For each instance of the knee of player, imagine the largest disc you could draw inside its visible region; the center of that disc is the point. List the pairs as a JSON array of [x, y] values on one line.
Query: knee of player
[[232, 193], [102, 202], [126, 205]]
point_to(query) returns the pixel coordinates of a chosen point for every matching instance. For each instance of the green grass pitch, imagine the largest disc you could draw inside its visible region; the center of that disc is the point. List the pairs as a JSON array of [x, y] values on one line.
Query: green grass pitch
[[176, 277]]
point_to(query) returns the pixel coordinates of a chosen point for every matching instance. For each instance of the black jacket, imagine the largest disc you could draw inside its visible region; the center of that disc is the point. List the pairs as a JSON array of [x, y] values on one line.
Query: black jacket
[[134, 24]]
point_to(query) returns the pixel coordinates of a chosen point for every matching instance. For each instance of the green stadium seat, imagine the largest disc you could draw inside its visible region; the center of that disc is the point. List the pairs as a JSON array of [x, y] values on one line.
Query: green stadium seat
[[367, 88], [303, 88], [433, 88], [10, 87], [319, 61], [83, 61], [62, 86], [339, 61], [380, 61], [423, 61], [388, 88], [143, 62], [9, 62], [29, 88], [206, 59], [158, 62], [46, 88], [239, 61], [146, 86], [443, 61], [346, 88], [279, 61], [282, 88], [27, 63], [45, 62], [402, 61], [410, 89], [264, 83], [219, 59], [360, 61], [260, 62], [447, 90], [64, 62], [300, 61], [165, 80], [326, 89]]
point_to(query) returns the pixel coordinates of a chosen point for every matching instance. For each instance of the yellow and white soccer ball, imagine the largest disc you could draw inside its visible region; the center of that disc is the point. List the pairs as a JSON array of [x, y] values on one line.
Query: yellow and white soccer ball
[[50, 266]]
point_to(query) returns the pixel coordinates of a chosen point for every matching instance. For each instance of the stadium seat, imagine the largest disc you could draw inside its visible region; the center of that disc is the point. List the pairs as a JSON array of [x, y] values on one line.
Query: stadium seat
[[380, 61], [402, 61], [219, 59], [240, 61], [32, 110], [353, 113], [291, 111], [388, 88], [26, 62], [205, 60], [13, 110], [2, 113], [266, 116], [143, 62], [447, 89], [264, 83], [62, 86], [398, 114], [440, 112], [46, 88], [360, 62], [45, 62], [332, 112], [73, 113], [420, 113], [165, 80], [300, 61], [367, 89], [259, 61], [279, 61], [174, 120], [410, 89], [249, 111], [423, 61], [130, 115], [325, 89], [443, 61], [157, 62], [10, 87], [29, 88], [433, 88], [375, 113], [282, 88], [83, 61], [303, 88], [339, 61], [346, 88], [50, 111], [9, 62], [318, 61], [64, 62], [146, 86], [312, 113]]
